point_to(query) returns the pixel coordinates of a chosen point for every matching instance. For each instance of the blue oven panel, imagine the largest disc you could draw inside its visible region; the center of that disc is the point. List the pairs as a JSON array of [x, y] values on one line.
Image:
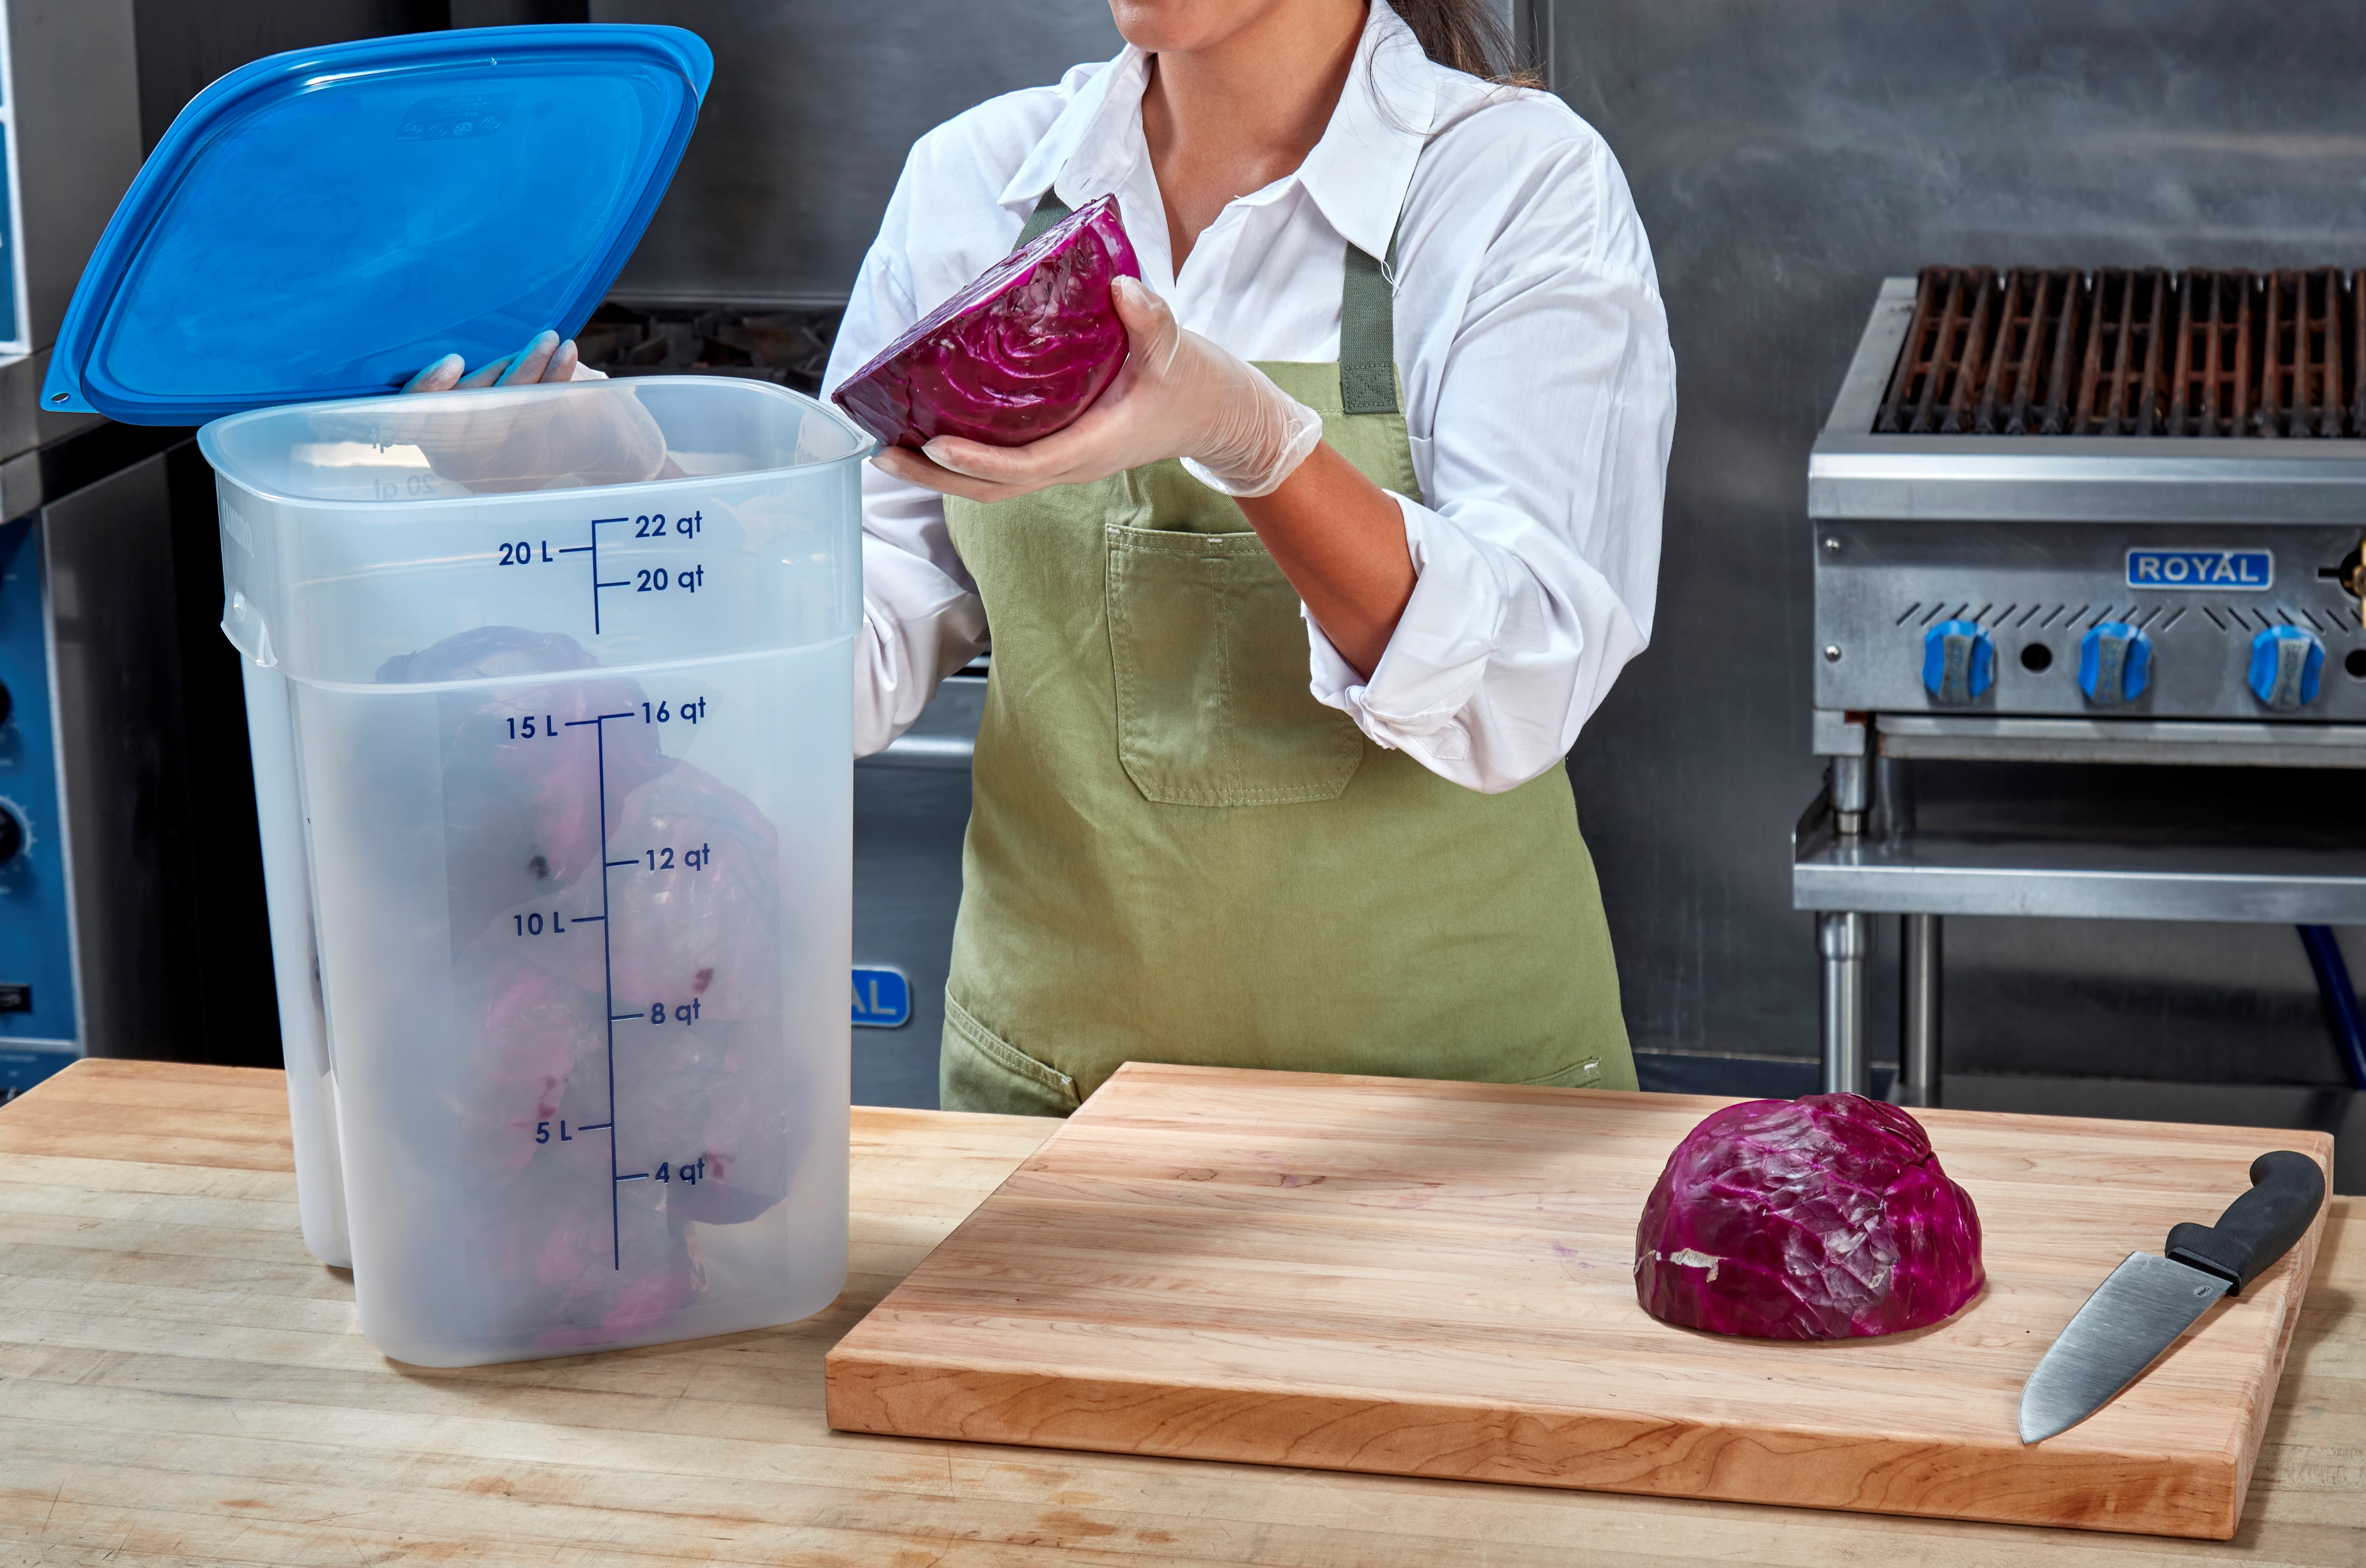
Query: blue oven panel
[[39, 1032]]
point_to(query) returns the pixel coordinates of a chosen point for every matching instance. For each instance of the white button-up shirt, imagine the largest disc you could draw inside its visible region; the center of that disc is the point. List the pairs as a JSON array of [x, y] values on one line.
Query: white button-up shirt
[[1539, 389]]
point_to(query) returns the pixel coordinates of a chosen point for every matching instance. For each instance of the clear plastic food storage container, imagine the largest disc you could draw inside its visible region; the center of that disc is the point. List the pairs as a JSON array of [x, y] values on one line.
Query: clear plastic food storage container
[[550, 705]]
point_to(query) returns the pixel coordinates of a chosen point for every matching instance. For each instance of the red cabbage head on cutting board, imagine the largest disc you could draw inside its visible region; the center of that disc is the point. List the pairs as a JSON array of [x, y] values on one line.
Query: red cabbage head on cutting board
[[1825, 1217]]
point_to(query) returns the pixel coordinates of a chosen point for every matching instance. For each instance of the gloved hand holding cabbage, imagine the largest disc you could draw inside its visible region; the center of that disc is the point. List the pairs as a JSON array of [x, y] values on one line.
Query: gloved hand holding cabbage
[[1025, 354]]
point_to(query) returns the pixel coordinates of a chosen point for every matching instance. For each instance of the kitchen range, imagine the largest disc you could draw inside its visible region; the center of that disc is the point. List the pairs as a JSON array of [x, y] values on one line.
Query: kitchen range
[[130, 897], [2097, 534]]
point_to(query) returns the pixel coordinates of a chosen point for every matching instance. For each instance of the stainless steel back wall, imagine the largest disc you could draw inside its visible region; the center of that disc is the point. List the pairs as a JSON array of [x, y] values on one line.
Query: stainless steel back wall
[[813, 108], [1786, 158]]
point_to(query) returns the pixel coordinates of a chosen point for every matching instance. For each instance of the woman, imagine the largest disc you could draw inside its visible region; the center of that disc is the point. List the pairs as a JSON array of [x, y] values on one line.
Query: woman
[[1292, 629]]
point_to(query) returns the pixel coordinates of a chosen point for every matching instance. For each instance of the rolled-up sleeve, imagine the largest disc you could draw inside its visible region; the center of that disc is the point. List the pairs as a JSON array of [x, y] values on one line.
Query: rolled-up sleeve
[[1543, 470], [922, 619], [921, 615]]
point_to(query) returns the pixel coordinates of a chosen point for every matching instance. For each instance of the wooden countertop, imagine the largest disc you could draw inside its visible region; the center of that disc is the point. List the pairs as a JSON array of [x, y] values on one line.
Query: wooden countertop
[[179, 1381]]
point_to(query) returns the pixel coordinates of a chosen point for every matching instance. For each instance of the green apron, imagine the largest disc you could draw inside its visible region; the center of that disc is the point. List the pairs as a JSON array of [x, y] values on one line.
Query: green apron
[[1176, 854]]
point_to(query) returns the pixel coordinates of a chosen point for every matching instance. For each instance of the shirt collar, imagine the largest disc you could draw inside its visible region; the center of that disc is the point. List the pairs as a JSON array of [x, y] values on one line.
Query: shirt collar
[[1092, 143], [1356, 175]]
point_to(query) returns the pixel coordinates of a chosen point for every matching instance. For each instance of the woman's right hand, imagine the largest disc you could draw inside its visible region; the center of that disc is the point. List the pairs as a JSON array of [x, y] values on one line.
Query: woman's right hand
[[543, 359], [1179, 395]]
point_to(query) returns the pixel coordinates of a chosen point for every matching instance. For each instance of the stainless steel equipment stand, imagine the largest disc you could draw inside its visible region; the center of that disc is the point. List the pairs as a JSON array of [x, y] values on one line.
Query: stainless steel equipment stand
[[1917, 1034], [1846, 940], [1850, 859]]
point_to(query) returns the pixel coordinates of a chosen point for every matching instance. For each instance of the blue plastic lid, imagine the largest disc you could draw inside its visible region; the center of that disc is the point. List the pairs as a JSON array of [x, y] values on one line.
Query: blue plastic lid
[[323, 223]]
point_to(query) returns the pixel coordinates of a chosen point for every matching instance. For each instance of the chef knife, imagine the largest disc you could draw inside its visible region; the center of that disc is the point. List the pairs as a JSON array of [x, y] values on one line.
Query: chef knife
[[2147, 1302]]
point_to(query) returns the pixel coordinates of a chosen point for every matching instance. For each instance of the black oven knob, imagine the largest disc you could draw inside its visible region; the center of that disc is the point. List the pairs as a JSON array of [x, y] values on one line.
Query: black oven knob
[[2115, 663], [2286, 665], [12, 834], [1959, 662]]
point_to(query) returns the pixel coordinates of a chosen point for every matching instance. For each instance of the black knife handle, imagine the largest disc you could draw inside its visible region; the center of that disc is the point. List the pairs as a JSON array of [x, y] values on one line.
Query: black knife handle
[[2259, 1227]]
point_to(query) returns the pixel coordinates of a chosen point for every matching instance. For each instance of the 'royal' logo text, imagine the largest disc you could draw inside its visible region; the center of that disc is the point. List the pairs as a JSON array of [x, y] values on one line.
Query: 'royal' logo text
[[2242, 570]]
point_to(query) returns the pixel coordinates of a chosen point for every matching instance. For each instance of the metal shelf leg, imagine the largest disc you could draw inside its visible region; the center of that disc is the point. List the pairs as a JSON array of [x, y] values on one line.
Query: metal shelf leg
[[1918, 1034], [1846, 940]]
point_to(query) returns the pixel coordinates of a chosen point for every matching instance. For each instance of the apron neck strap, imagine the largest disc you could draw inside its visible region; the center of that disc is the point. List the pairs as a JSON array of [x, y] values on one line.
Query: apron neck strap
[[1367, 333], [1368, 317], [1048, 211]]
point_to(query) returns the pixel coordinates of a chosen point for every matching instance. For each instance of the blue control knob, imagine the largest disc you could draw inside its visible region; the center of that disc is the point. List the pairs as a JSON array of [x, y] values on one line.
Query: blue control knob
[[2114, 662], [2286, 664], [1958, 661]]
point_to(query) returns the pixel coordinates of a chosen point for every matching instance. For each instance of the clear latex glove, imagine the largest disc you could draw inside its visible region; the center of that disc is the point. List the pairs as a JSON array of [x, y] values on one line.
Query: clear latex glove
[[1179, 396], [545, 358], [526, 442]]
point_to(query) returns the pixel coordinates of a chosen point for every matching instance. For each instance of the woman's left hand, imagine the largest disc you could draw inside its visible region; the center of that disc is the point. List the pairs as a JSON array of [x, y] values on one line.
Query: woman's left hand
[[544, 358], [526, 442], [1179, 396]]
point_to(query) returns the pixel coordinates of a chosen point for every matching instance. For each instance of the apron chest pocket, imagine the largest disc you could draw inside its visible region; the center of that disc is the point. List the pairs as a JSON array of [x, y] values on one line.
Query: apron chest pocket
[[1210, 653]]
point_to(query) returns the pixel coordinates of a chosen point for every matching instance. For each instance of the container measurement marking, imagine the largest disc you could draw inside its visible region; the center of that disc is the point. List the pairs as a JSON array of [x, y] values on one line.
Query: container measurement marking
[[655, 578], [596, 584], [598, 723]]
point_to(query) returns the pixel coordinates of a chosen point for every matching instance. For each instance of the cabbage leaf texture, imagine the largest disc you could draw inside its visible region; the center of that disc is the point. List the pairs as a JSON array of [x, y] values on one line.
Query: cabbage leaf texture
[[1015, 356], [1826, 1217]]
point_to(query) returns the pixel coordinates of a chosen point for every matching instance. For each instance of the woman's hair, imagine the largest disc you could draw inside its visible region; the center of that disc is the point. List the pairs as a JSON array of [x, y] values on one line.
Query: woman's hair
[[1466, 34]]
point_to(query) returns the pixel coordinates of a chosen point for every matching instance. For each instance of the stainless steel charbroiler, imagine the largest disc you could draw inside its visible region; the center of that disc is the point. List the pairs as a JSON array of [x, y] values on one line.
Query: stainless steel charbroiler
[[2080, 517], [2123, 495]]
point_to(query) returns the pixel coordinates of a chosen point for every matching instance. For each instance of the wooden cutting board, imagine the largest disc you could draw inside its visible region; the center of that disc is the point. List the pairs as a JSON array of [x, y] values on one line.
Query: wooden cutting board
[[1434, 1279]]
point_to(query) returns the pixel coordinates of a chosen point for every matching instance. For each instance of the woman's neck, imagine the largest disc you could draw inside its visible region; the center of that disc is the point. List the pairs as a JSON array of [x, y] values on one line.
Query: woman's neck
[[1244, 110]]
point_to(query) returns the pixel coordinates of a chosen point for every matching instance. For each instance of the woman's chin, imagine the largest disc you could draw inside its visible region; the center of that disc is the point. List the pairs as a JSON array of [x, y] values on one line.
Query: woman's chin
[[1182, 26]]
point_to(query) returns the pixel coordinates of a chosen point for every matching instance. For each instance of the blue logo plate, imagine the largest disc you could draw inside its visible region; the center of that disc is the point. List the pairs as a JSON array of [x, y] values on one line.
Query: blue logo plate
[[883, 999], [2239, 571]]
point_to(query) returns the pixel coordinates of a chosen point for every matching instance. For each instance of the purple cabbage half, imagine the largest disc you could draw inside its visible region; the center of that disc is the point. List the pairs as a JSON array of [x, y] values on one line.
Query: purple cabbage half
[[1825, 1217], [1016, 355]]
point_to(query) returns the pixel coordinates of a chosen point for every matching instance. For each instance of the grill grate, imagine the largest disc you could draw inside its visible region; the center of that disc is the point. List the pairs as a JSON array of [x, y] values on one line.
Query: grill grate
[[2140, 352], [2063, 618]]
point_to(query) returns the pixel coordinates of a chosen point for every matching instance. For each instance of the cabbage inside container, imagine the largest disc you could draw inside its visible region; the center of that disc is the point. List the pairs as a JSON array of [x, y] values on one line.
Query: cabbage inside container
[[1018, 354], [311, 230], [548, 689], [550, 693]]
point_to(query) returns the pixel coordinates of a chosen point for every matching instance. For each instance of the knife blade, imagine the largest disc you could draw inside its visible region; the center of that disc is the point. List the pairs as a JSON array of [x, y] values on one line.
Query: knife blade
[[2139, 1311]]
